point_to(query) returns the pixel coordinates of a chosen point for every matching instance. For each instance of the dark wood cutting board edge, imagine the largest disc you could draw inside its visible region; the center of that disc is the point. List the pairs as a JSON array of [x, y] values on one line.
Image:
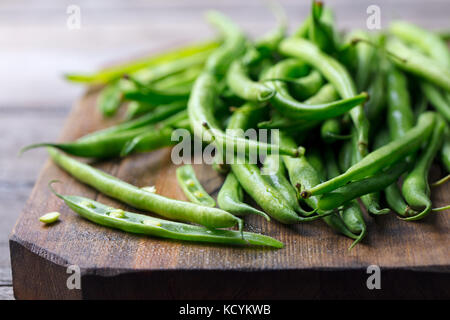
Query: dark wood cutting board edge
[[314, 264]]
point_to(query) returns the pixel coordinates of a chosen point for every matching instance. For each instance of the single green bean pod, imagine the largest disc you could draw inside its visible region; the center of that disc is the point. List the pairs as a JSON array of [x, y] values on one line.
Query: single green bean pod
[[239, 81], [109, 99], [116, 72], [230, 199], [143, 224], [416, 189], [274, 172], [445, 151], [305, 87], [400, 114], [353, 219]]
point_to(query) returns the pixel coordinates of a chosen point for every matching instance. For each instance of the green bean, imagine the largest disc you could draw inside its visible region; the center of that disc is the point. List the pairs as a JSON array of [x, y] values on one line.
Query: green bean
[[415, 187], [182, 79], [437, 99], [140, 199], [232, 47], [336, 74], [301, 173], [142, 224], [331, 129], [158, 114], [121, 140], [305, 87], [290, 107], [288, 125], [273, 171], [350, 222], [230, 199], [370, 200], [444, 35], [106, 146], [192, 188], [174, 68], [138, 108], [434, 47], [241, 84], [445, 151], [348, 192], [417, 63], [253, 182], [400, 120], [365, 54], [133, 90], [325, 94], [314, 158], [353, 219], [427, 41], [116, 72], [345, 157], [320, 29], [205, 126], [148, 141], [392, 192], [400, 115], [377, 93], [109, 99], [303, 30], [382, 157]]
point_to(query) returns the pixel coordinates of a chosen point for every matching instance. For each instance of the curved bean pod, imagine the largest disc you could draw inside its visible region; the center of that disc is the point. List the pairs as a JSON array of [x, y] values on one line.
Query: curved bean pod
[[140, 199], [230, 199], [416, 189], [244, 87], [142, 224]]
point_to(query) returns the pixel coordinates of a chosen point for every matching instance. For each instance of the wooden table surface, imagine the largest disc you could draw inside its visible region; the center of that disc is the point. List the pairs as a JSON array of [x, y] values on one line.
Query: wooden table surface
[[37, 47]]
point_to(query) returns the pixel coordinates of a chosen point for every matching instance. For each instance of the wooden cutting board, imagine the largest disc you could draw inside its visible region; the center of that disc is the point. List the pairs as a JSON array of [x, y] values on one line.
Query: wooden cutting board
[[414, 257]]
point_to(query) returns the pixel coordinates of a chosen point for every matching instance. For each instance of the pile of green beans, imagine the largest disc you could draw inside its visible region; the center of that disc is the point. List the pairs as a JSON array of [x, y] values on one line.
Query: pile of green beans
[[358, 115]]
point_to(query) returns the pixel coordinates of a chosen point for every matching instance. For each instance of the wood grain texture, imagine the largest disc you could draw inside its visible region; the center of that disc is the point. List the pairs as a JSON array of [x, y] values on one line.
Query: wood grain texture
[[114, 259]]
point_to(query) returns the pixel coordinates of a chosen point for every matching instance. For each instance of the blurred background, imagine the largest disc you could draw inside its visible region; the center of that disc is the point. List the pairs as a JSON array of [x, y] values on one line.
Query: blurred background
[[37, 46]]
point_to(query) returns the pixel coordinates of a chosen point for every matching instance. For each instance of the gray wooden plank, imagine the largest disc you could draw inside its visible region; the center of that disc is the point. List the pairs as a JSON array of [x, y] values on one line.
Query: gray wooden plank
[[6, 293], [5, 277]]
